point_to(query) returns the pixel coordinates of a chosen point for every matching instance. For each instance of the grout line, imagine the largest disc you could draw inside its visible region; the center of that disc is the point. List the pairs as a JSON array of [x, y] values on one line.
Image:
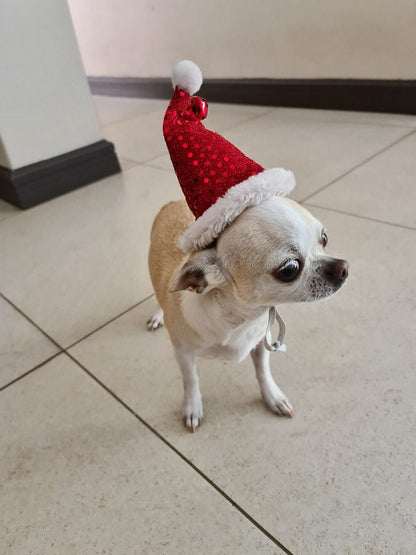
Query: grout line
[[139, 418], [109, 322], [337, 119], [250, 118], [62, 349], [154, 167], [182, 456], [136, 164], [127, 118], [124, 119], [32, 322], [358, 166], [124, 159], [401, 226], [31, 370], [129, 160], [165, 151]]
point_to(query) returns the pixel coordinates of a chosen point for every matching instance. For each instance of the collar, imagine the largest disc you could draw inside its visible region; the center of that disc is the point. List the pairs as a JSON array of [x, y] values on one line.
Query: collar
[[278, 345]]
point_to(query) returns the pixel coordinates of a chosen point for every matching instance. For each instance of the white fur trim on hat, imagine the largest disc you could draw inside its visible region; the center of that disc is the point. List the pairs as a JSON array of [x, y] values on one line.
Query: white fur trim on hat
[[250, 192], [187, 76]]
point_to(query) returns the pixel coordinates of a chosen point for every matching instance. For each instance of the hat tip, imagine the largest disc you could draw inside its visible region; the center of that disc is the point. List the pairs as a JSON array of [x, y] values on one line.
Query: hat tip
[[187, 76]]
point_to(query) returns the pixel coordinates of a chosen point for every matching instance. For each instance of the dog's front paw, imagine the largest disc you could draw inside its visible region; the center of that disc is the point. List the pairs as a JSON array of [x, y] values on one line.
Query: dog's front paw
[[277, 401], [192, 410], [156, 320]]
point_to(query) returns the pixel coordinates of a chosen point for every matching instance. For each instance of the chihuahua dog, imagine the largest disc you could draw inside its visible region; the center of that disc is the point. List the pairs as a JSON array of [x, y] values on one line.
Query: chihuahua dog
[[215, 302]]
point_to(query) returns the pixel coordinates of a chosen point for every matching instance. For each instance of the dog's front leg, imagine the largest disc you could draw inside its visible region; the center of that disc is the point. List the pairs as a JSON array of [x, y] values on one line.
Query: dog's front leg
[[192, 403], [274, 397]]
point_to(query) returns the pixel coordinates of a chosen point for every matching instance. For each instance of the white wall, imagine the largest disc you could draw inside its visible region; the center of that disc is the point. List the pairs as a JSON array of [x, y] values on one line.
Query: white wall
[[249, 38], [45, 103]]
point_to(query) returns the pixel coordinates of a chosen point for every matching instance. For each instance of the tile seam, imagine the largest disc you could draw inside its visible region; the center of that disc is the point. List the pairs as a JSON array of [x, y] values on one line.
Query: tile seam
[[43, 363], [348, 172], [367, 218], [61, 349], [128, 118], [205, 477], [109, 322], [349, 121], [20, 311]]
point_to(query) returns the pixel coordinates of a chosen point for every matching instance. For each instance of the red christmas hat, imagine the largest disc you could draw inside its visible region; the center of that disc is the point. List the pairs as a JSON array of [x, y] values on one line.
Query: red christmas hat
[[217, 179]]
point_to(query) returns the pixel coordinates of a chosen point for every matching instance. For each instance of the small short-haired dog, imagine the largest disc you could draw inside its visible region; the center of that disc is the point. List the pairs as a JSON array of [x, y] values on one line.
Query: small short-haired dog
[[216, 302], [223, 260]]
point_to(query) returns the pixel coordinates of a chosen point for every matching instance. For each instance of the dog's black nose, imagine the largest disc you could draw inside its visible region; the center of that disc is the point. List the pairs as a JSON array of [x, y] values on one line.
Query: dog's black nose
[[337, 271]]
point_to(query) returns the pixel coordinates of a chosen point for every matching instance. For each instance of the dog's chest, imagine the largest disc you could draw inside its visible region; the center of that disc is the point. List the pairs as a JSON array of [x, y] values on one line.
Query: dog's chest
[[220, 332], [234, 344], [233, 351]]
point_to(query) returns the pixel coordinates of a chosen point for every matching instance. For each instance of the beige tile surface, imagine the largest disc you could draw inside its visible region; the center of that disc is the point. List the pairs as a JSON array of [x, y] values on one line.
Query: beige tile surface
[[80, 474], [317, 151], [345, 116], [338, 478], [139, 138], [22, 345], [77, 261], [127, 164], [384, 188], [162, 162], [114, 109], [7, 210], [222, 115]]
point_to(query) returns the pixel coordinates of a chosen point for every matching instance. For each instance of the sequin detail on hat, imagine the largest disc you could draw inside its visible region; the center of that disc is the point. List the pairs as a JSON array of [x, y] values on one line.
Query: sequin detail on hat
[[229, 165]]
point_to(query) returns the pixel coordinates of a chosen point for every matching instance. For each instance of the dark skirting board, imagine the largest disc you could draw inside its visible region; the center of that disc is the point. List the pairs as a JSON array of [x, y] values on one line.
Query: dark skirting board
[[30, 185], [368, 95]]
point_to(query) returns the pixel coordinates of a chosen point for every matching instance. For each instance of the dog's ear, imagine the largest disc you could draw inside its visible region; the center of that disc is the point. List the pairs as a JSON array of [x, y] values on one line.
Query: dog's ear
[[200, 273]]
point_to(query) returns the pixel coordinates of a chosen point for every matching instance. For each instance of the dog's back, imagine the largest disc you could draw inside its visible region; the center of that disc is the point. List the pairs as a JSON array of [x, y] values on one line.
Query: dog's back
[[165, 255]]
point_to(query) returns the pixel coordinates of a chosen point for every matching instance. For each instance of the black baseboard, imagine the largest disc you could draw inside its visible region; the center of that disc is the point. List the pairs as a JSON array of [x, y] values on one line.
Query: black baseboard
[[368, 95], [36, 183]]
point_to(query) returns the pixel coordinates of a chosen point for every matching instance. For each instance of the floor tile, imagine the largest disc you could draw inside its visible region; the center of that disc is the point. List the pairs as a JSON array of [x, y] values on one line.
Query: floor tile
[[75, 262], [141, 138], [7, 210], [346, 116], [339, 477], [220, 110], [162, 162], [127, 164], [80, 474], [112, 109], [316, 151], [22, 345], [383, 188]]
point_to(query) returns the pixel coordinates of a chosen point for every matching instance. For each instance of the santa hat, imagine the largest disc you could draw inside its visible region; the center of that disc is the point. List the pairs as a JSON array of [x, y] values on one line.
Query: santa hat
[[217, 179]]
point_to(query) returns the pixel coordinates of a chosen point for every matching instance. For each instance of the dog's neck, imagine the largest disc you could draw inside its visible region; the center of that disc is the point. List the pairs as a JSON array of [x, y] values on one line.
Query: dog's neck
[[218, 312]]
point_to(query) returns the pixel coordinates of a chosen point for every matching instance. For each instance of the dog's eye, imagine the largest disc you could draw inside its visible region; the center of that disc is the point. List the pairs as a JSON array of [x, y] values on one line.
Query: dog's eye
[[289, 272], [324, 239]]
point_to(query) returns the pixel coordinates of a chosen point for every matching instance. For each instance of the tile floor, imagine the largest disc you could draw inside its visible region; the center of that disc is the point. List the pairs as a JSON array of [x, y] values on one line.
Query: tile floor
[[94, 458]]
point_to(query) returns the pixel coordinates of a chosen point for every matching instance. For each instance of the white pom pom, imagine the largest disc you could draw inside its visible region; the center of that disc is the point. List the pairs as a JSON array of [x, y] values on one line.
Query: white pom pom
[[187, 76]]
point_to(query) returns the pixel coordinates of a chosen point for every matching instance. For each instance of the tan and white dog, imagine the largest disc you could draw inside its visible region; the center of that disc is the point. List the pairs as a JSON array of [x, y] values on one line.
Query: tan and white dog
[[215, 302]]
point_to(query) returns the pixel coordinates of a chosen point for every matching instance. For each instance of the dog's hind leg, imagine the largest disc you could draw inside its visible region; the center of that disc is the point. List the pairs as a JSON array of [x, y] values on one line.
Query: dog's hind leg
[[192, 403], [156, 320], [273, 396]]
